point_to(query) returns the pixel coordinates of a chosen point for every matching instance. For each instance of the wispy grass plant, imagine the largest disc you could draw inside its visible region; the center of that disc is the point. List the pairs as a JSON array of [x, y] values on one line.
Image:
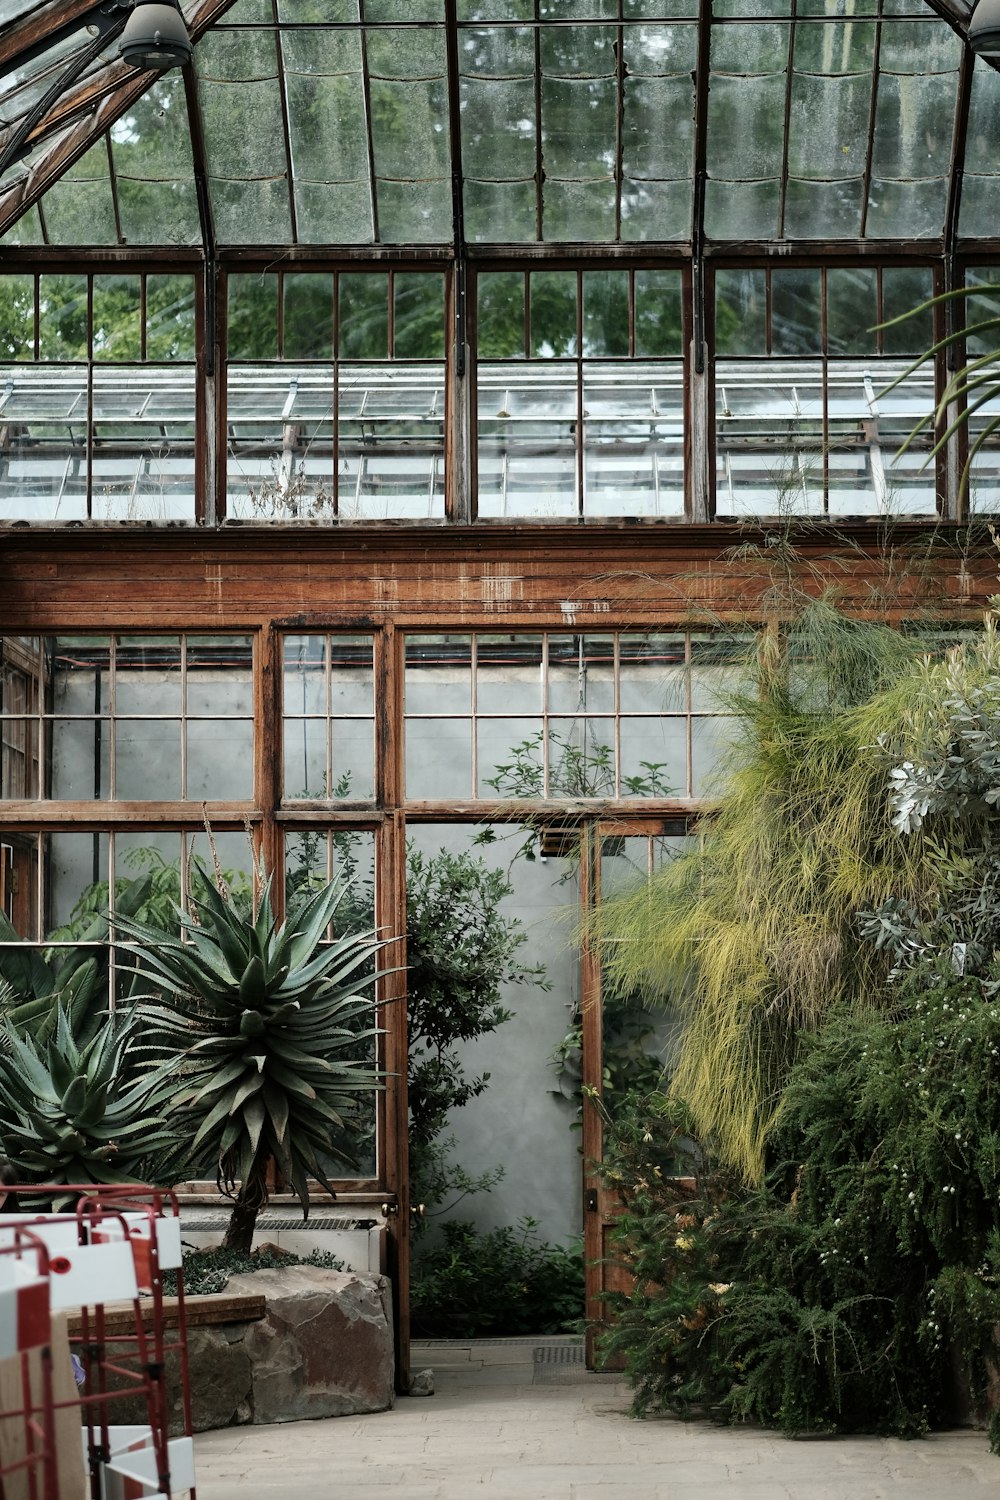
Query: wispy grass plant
[[754, 934]]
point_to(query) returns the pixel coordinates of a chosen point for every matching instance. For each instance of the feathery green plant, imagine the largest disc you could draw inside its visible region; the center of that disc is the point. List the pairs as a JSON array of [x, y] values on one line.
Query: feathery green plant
[[271, 1025], [974, 385], [754, 933]]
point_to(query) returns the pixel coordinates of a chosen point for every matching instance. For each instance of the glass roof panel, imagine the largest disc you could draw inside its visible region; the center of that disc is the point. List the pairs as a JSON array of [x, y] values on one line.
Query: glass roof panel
[[244, 136], [13, 10], [80, 208], [978, 214], [329, 123]]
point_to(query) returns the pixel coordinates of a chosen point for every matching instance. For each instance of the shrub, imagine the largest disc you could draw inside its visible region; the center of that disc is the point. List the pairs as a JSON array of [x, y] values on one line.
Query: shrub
[[836, 1297], [505, 1281]]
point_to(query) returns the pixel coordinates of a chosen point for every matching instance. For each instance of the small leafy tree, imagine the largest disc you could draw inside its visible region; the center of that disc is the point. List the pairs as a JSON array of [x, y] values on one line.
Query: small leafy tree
[[270, 1025]]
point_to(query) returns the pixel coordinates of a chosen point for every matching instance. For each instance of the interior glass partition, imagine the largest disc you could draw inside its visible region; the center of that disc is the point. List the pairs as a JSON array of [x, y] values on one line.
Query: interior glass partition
[[561, 716], [580, 394], [128, 718]]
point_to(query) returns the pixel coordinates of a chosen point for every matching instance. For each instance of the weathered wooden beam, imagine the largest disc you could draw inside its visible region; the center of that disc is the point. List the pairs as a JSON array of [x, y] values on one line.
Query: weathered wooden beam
[[40, 29], [519, 577]]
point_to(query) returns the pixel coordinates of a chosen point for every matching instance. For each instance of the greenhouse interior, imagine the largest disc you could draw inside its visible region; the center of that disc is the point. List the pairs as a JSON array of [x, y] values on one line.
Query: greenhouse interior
[[419, 420]]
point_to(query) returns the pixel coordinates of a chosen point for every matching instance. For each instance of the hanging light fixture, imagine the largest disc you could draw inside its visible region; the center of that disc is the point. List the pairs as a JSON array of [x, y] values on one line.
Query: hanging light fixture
[[155, 36], [984, 29]]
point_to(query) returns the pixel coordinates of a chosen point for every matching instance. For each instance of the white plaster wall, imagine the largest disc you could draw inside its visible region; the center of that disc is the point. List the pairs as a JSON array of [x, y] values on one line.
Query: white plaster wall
[[521, 1121]]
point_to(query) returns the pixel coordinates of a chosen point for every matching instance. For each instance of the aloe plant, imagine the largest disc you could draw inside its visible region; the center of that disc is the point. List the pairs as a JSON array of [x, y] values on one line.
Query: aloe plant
[[88, 1111], [269, 1024], [37, 982]]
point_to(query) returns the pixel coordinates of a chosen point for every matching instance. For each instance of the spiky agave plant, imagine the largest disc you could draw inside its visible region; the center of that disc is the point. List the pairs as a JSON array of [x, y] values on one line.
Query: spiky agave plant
[[38, 983], [83, 1111], [269, 1024]]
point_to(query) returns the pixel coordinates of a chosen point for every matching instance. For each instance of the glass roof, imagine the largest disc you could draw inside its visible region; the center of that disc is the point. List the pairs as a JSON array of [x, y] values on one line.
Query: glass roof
[[496, 122]]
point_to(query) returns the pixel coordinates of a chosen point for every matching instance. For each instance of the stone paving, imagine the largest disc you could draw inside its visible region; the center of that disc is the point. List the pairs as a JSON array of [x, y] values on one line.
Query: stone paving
[[507, 1423]]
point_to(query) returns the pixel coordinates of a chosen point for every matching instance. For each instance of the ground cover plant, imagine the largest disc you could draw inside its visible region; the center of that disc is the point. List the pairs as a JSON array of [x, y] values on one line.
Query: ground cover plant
[[208, 1271]]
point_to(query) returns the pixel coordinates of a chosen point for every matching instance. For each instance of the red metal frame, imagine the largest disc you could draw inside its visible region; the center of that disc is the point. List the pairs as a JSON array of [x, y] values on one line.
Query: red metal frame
[[148, 1220]]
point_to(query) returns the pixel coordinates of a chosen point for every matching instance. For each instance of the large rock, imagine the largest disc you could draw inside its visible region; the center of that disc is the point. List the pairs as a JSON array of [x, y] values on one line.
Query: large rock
[[324, 1348]]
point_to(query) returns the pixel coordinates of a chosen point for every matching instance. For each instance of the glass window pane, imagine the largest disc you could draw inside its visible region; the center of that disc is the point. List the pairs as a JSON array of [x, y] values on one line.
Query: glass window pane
[[852, 311], [253, 317], [17, 317], [438, 759], [418, 317], [148, 675], [170, 317], [553, 314], [438, 674], [219, 760], [364, 316], [741, 312], [307, 330], [605, 313], [796, 316], [903, 289], [147, 760], [62, 317], [219, 677], [116, 331], [633, 439], [581, 673], [659, 323], [508, 674], [500, 320]]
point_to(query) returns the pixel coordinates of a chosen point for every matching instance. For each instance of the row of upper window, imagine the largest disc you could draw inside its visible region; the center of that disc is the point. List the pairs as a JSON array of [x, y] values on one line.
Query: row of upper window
[[550, 715], [538, 314]]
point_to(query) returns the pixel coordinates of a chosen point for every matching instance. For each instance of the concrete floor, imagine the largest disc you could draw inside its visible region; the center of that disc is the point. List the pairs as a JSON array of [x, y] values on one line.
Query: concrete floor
[[522, 1420]]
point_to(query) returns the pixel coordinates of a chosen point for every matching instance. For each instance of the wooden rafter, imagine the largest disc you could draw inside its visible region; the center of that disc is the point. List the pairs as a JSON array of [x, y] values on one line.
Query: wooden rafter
[[41, 29], [106, 96]]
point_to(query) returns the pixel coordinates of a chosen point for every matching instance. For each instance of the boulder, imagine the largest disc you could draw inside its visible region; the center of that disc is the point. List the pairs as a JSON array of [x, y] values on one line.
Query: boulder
[[324, 1347]]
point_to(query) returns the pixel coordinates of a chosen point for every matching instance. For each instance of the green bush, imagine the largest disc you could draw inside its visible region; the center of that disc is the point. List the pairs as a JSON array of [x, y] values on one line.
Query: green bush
[[839, 1295], [503, 1282]]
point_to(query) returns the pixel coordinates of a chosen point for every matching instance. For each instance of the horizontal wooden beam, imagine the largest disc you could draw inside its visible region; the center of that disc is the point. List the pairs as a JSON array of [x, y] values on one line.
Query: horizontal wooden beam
[[511, 577], [88, 816]]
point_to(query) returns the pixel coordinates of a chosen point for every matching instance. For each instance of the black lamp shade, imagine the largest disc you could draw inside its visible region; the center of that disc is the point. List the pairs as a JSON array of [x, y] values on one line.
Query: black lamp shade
[[155, 36], [984, 29]]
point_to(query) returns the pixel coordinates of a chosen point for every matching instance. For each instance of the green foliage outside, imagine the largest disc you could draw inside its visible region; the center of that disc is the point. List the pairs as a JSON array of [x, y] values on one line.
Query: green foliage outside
[[503, 1282]]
